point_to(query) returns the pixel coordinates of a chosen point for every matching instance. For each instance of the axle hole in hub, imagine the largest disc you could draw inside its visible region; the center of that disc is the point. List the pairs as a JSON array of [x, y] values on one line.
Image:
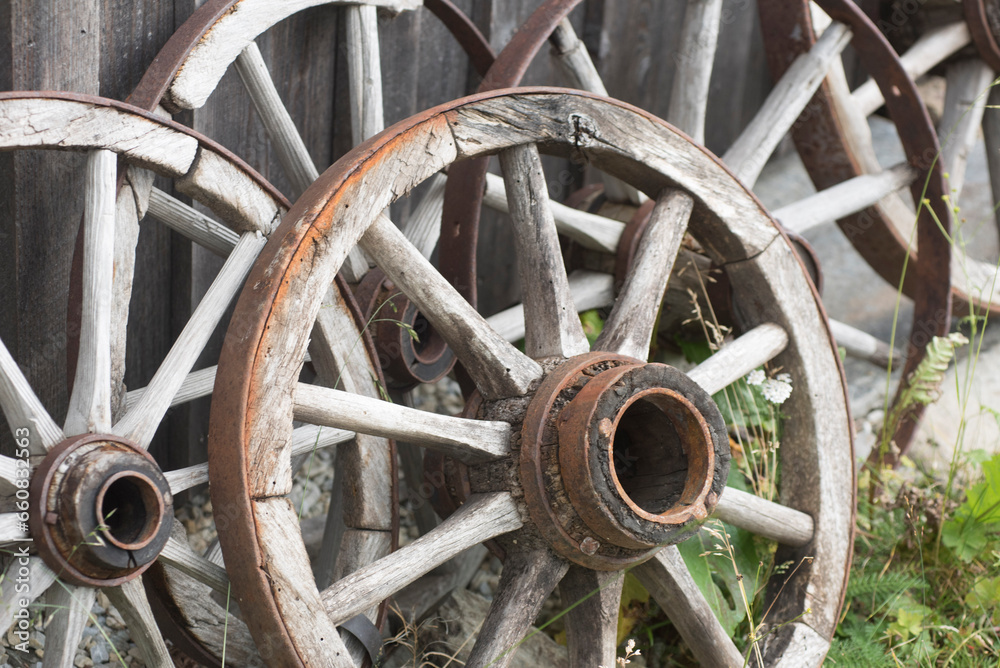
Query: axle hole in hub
[[131, 507], [653, 439], [430, 345]]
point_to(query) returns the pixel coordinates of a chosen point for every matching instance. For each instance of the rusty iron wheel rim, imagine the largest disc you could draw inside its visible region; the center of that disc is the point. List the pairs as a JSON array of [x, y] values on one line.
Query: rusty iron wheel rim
[[278, 280]]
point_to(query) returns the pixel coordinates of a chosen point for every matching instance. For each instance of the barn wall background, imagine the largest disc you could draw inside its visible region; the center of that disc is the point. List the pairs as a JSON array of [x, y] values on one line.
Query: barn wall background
[[104, 46]]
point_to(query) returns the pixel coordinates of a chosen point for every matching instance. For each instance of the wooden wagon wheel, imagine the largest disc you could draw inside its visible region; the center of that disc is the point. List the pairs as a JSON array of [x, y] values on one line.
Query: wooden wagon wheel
[[521, 461], [97, 460], [958, 38]]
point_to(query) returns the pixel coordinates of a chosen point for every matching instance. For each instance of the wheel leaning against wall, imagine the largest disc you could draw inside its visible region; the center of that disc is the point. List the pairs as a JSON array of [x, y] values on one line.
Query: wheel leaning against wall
[[537, 436], [101, 511]]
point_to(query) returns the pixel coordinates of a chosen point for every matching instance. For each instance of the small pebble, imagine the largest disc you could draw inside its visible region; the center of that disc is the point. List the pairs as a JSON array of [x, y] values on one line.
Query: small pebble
[[99, 652]]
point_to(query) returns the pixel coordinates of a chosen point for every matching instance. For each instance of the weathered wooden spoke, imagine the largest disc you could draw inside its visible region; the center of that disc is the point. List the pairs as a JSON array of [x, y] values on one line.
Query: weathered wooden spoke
[[747, 155], [552, 324], [498, 367], [696, 51], [90, 402], [479, 520], [630, 327], [592, 625], [738, 358], [666, 578], [130, 599], [527, 579], [465, 440], [765, 518], [965, 101], [22, 408], [567, 410], [71, 610], [139, 424]]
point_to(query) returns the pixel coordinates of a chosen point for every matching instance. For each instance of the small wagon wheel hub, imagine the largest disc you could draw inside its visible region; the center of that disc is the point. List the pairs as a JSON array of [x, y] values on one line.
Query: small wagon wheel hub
[[101, 510], [616, 458]]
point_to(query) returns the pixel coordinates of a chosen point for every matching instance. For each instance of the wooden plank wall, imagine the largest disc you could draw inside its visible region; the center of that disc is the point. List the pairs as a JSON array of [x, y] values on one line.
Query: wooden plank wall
[[105, 45]]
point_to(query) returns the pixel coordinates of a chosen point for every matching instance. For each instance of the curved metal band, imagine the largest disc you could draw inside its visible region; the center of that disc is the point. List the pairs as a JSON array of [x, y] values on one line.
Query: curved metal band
[[821, 144]]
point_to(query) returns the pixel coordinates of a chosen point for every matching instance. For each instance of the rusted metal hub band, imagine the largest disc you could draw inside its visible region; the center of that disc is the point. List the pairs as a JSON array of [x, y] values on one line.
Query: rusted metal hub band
[[405, 361], [101, 510], [618, 457], [983, 17]]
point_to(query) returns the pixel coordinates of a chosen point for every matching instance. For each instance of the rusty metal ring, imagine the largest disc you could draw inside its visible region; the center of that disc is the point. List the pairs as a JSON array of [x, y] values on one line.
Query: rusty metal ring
[[824, 150], [74, 531], [983, 19]]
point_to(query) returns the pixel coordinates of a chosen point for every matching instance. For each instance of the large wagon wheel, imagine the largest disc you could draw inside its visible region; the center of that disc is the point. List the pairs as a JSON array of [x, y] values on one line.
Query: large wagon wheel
[[957, 38], [183, 76], [97, 461], [537, 438]]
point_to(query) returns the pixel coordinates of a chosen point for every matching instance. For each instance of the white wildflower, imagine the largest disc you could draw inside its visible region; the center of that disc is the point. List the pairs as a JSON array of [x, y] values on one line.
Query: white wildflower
[[756, 377], [784, 378], [776, 390]]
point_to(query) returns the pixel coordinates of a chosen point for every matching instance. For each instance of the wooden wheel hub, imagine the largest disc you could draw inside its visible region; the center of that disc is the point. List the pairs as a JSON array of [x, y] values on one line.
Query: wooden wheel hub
[[100, 510], [619, 457]]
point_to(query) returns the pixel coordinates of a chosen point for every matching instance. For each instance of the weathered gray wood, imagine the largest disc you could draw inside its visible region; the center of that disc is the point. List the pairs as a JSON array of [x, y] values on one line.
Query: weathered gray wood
[[965, 101], [466, 440], [589, 230], [592, 625], [552, 325], [738, 358], [498, 368], [141, 422], [231, 34], [630, 328], [666, 578], [861, 344], [193, 224], [40, 577], [287, 141], [130, 600], [423, 227], [931, 49], [23, 409], [844, 198], [8, 471], [590, 289], [749, 153], [695, 58], [178, 554], [11, 529], [526, 580], [365, 70], [305, 440], [481, 518], [574, 59], [90, 401], [70, 609], [765, 518]]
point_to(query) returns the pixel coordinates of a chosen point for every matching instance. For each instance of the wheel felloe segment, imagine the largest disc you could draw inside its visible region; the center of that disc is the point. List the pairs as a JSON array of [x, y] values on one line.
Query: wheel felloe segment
[[100, 510]]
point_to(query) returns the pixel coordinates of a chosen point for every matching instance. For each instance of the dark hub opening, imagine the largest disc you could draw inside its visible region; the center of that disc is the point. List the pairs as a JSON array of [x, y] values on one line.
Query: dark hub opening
[[131, 508], [430, 345], [649, 458]]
